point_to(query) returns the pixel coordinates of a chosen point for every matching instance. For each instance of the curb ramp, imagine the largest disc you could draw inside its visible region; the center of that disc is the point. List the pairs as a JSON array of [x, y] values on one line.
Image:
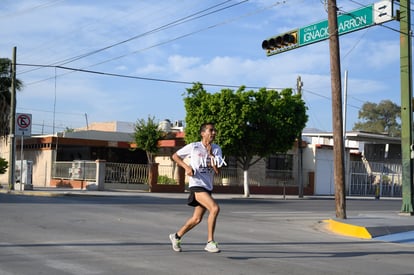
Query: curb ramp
[[373, 228]]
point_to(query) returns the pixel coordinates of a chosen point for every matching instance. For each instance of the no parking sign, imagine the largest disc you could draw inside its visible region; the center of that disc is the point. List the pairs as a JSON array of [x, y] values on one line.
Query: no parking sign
[[23, 125]]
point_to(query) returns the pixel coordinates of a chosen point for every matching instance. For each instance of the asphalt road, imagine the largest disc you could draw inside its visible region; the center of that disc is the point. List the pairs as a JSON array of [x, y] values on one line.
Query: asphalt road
[[128, 234]]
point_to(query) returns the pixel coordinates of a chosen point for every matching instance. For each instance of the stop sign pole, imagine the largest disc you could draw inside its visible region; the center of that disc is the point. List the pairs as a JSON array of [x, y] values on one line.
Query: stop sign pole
[[23, 128]]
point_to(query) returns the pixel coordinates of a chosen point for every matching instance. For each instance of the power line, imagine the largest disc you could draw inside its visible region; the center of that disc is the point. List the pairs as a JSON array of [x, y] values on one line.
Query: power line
[[172, 81], [169, 40], [328, 98], [180, 21], [185, 19], [31, 8], [57, 112], [139, 77]]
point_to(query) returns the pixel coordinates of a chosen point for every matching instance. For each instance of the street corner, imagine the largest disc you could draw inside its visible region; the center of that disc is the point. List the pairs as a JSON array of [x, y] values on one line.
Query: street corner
[[346, 229]]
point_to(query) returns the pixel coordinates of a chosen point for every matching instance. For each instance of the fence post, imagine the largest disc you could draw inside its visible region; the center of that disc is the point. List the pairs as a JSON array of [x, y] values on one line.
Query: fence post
[[181, 177], [153, 176], [100, 173]]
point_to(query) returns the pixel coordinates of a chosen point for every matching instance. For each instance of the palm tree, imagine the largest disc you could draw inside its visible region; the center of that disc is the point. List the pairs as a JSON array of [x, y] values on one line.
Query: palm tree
[[5, 95]]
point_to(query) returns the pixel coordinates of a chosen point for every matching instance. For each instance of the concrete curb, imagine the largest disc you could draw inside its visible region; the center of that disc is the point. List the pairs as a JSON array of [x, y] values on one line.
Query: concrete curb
[[37, 193], [366, 231], [51, 194], [346, 229]]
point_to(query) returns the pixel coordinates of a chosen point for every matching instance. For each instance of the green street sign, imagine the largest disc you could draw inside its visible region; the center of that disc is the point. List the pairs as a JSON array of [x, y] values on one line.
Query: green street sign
[[364, 17], [353, 21]]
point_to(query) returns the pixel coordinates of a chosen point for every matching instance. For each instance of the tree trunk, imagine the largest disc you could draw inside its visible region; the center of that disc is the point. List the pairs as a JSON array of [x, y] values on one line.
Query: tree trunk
[[246, 183]]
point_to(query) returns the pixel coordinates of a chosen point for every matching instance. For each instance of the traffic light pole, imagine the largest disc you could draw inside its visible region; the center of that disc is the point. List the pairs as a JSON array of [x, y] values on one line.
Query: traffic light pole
[[406, 108]]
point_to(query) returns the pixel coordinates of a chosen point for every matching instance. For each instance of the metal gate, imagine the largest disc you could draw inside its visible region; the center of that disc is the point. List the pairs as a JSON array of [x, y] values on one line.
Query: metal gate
[[126, 173], [375, 178]]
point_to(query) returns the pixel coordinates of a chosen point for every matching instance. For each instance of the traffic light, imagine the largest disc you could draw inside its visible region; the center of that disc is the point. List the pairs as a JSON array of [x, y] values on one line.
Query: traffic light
[[280, 43]]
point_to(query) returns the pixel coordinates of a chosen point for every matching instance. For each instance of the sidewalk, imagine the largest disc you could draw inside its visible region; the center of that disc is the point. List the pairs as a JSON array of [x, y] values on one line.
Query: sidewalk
[[380, 226]]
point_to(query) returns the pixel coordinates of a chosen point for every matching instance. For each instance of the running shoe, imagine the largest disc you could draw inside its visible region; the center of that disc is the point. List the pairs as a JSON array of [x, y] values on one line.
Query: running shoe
[[176, 243], [212, 247]]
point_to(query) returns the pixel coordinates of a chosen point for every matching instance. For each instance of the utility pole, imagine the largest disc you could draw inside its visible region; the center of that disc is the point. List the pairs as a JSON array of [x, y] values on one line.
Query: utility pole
[[299, 85], [339, 167], [12, 126], [344, 103], [406, 108]]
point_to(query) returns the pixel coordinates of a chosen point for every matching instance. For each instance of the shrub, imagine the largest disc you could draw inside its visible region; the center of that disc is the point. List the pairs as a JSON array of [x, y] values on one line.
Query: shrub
[[3, 165], [165, 180]]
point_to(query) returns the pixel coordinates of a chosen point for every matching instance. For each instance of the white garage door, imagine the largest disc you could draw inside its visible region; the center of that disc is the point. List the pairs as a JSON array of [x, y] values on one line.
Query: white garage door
[[324, 183]]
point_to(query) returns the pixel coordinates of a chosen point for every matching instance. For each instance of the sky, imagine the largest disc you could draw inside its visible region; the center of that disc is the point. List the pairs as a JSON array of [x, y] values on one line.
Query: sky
[[98, 61]]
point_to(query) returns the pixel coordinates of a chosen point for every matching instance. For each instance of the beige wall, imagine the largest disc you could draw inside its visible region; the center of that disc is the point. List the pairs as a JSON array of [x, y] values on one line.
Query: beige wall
[[309, 161], [42, 164], [4, 153], [172, 171], [110, 126]]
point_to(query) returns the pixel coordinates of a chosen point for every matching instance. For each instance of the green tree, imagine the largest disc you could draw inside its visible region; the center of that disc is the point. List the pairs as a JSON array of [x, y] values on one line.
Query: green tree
[[5, 95], [3, 165], [69, 130], [147, 135], [379, 118], [250, 124]]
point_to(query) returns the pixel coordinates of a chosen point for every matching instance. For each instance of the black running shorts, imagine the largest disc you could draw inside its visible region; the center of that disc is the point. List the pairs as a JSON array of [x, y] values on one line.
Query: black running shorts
[[192, 199]]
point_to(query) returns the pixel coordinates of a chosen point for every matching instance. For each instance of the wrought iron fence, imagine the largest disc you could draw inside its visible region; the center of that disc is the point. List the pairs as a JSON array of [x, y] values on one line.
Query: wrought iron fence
[[370, 179], [234, 176], [126, 173], [167, 174], [227, 176], [279, 178], [76, 170]]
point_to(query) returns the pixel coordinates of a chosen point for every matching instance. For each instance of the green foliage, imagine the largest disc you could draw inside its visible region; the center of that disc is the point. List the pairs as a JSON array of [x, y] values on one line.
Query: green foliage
[[147, 136], [6, 78], [249, 123], [379, 118], [3, 166], [165, 180], [69, 130], [5, 95]]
